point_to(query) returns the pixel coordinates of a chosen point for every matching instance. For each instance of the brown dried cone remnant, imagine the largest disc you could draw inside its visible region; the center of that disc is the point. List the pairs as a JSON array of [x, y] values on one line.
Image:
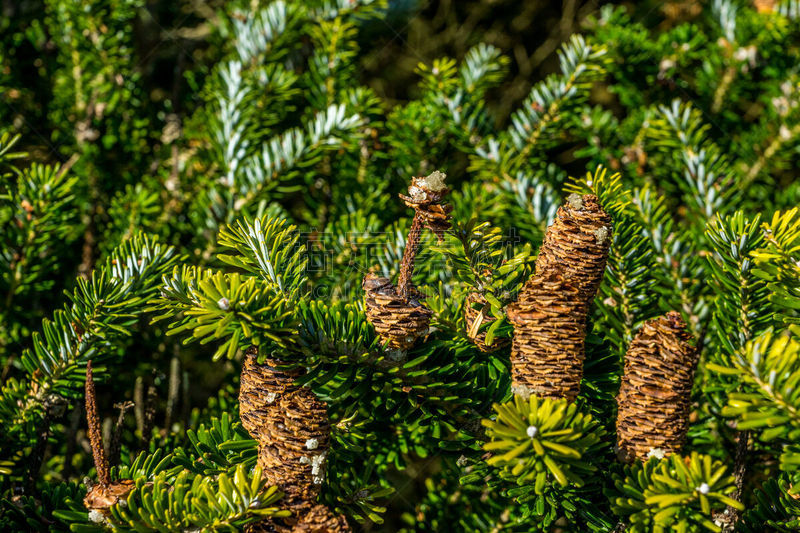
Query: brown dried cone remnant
[[653, 400], [293, 432], [477, 319], [102, 496], [547, 351], [577, 243], [397, 313], [398, 321], [425, 196]]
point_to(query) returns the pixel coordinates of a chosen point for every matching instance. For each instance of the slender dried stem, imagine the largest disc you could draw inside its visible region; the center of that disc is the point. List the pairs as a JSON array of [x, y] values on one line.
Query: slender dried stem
[[409, 256], [138, 404], [95, 436], [739, 472], [149, 414], [116, 436]]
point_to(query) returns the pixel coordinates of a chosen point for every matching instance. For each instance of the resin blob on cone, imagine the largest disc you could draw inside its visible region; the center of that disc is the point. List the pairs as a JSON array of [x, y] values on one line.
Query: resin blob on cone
[[654, 397], [547, 351], [425, 196]]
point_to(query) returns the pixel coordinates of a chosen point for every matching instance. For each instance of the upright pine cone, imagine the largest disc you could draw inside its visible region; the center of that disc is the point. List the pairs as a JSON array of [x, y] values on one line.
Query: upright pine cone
[[547, 351], [260, 388], [653, 400], [292, 428], [475, 318], [398, 321], [577, 243]]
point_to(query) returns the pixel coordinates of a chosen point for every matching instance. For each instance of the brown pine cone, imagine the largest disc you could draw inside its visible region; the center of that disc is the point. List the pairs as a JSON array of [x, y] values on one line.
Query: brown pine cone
[[547, 351], [260, 388], [292, 428], [475, 318], [654, 397], [577, 243], [398, 321], [294, 448], [425, 196]]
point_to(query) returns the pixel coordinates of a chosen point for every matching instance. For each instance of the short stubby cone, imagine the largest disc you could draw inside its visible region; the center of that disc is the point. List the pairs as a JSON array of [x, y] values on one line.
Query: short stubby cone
[[398, 321]]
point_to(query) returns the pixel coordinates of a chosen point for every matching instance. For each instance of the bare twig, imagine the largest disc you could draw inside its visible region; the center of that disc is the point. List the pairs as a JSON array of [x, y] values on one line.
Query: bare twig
[[116, 437], [95, 436], [174, 389], [409, 256], [138, 404], [739, 473], [149, 414]]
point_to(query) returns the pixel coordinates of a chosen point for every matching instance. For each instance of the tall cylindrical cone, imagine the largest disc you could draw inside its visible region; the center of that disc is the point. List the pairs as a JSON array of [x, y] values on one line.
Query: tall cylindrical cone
[[654, 397], [292, 428], [547, 351], [475, 318], [398, 321], [577, 243]]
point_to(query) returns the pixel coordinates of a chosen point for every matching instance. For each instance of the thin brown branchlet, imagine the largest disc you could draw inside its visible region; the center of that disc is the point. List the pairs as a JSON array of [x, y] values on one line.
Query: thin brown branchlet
[[102, 496]]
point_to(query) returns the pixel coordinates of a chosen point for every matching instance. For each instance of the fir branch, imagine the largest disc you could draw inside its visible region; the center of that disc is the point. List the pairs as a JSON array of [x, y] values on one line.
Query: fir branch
[[102, 310], [582, 64]]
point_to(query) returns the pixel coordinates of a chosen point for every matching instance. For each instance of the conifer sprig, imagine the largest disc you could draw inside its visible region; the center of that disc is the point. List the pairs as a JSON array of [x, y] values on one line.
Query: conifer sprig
[[102, 311]]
